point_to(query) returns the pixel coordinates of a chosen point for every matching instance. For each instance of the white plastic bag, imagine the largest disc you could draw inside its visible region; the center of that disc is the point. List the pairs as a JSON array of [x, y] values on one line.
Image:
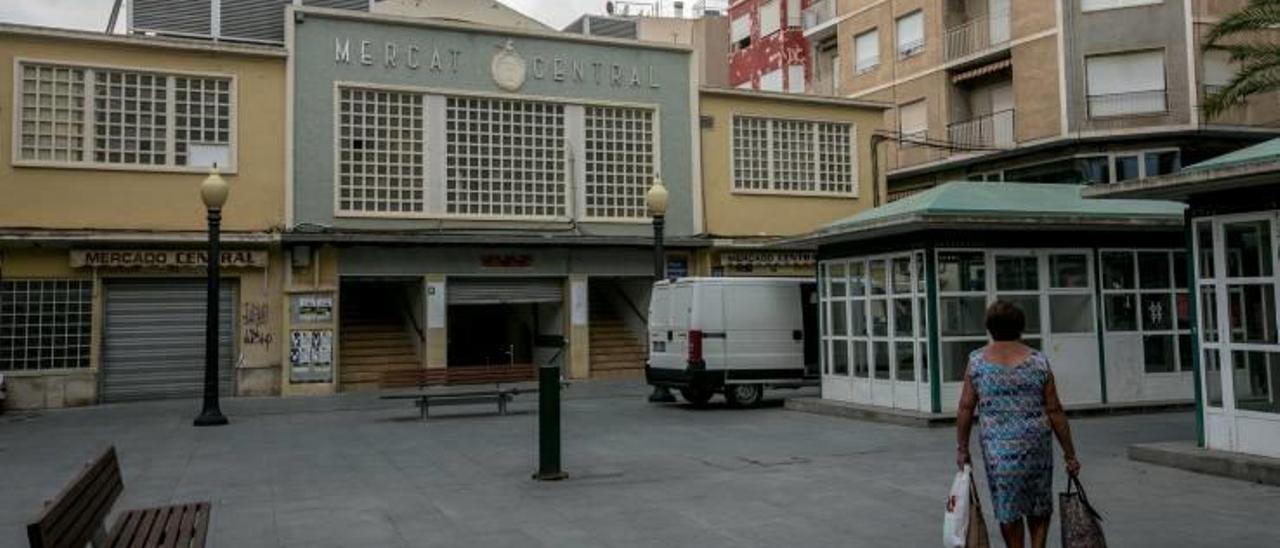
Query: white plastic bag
[[955, 524]]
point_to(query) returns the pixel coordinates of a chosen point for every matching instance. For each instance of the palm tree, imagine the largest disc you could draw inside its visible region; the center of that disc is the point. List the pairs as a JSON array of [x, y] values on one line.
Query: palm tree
[[1258, 58]]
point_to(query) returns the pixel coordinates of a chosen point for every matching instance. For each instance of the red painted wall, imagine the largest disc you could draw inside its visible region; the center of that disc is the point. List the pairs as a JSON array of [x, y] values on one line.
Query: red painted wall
[[778, 50]]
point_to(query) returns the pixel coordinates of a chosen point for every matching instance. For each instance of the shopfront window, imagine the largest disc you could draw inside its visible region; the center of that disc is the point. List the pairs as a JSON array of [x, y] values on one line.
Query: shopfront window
[[876, 306], [962, 299], [1142, 297]]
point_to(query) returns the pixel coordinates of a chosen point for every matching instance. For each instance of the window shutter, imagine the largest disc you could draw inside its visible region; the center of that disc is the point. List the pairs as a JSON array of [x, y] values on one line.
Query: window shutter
[[866, 50], [1218, 68], [913, 118], [910, 32], [771, 81], [740, 28], [770, 17], [1125, 73], [795, 79]]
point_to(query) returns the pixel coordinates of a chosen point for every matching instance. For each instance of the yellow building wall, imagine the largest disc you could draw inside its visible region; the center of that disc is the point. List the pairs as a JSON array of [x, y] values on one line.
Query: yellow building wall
[[135, 197], [730, 214]]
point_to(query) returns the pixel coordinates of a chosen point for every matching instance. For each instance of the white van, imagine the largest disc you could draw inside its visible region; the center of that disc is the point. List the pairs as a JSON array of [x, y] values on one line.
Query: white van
[[736, 336]]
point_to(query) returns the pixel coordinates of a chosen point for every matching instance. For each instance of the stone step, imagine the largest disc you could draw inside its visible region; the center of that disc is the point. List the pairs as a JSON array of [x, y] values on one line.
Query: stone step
[[410, 359], [637, 373], [377, 350], [615, 342], [616, 366]]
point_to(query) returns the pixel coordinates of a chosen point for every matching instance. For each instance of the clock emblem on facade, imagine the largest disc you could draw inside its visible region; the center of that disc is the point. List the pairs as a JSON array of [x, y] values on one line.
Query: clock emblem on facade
[[508, 67]]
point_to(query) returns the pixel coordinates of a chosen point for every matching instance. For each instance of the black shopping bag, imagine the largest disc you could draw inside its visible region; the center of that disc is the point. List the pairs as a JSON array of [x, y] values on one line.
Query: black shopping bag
[[1081, 524]]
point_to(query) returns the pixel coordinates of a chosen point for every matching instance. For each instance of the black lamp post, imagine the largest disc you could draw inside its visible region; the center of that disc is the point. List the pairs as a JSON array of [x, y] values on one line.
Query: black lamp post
[[213, 191], [656, 200]]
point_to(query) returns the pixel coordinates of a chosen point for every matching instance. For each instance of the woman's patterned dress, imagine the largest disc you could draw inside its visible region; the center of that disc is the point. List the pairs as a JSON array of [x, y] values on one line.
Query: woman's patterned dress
[[1017, 448]]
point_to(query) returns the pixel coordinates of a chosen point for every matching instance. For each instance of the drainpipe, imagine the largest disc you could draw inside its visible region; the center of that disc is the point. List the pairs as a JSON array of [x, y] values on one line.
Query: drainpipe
[[876, 139]]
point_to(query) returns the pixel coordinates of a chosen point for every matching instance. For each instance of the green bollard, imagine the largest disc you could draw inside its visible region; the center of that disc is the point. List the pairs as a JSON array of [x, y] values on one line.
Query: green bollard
[[549, 424]]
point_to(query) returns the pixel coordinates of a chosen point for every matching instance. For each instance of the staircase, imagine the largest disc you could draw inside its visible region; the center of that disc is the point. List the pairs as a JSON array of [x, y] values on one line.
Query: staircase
[[372, 342], [616, 352]]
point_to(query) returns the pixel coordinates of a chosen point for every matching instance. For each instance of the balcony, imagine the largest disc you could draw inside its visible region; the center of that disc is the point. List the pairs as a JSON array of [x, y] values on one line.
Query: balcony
[[992, 131], [1134, 103], [819, 19], [980, 34]]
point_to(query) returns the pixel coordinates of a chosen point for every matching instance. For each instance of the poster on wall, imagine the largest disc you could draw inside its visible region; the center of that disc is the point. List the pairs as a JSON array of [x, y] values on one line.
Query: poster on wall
[[436, 305], [578, 300], [313, 308], [311, 355]]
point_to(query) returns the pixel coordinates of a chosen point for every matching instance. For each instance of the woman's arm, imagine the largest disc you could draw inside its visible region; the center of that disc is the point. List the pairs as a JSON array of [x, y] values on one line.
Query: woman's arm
[[964, 420], [1058, 420]]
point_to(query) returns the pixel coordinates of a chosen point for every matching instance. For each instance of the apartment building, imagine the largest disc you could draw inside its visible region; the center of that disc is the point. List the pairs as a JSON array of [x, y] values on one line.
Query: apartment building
[[1070, 91], [705, 30], [102, 229], [768, 50]]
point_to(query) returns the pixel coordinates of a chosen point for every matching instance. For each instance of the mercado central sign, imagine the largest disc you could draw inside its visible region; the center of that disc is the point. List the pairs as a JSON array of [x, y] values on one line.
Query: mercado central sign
[[162, 258], [508, 66]]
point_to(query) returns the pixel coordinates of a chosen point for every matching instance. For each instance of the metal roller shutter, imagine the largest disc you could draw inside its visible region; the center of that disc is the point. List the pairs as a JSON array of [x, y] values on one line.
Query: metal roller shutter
[[154, 339], [166, 16], [261, 20], [505, 290]]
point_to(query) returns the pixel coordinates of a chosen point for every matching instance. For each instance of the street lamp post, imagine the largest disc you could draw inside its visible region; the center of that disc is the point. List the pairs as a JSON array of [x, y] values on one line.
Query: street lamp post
[[213, 191], [656, 200]]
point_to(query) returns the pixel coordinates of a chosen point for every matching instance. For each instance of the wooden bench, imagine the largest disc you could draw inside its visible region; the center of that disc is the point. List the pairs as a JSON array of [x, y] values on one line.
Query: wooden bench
[[460, 385], [76, 516]]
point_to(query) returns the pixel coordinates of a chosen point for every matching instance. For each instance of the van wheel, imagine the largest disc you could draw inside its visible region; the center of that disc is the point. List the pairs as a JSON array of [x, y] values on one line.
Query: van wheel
[[696, 396], [744, 395]]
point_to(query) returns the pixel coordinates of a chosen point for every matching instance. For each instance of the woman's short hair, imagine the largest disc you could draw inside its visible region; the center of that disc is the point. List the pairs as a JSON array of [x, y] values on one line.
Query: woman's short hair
[[1005, 321]]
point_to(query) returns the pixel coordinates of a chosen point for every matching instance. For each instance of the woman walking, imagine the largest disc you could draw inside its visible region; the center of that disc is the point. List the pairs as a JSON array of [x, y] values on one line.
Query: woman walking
[[1011, 388]]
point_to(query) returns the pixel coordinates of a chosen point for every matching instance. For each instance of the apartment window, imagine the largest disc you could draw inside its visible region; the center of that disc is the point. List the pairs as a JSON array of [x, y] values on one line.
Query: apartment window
[[619, 161], [504, 158], [1145, 292], [795, 79], [770, 17], [1126, 84], [866, 51], [793, 156], [910, 34], [913, 122], [45, 324], [1219, 70], [1099, 5], [85, 115], [740, 31], [380, 155], [794, 13], [771, 81]]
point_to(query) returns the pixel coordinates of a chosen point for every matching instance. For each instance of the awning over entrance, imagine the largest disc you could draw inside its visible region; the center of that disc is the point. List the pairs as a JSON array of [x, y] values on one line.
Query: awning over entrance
[[504, 290]]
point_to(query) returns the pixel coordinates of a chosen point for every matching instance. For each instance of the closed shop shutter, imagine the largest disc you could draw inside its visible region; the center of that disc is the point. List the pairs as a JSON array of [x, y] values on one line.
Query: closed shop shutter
[[505, 290], [154, 339]]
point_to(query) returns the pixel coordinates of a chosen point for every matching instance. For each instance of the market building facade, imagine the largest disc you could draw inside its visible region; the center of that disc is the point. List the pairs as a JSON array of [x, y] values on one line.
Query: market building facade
[[461, 195], [1234, 234], [775, 166], [102, 230], [904, 288]]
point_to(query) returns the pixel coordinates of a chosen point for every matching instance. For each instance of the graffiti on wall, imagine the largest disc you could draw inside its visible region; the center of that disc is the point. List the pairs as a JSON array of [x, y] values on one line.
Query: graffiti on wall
[[254, 320]]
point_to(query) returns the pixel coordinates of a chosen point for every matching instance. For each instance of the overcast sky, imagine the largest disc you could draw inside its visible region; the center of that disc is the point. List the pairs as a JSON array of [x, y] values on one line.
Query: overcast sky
[[93, 14]]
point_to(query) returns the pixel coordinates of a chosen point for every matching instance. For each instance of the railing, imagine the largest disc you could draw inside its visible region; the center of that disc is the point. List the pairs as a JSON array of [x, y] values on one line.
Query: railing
[[993, 130], [976, 35], [1128, 104], [818, 13]]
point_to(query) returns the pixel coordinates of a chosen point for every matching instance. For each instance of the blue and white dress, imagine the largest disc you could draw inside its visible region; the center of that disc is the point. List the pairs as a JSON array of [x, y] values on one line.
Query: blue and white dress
[[1017, 446]]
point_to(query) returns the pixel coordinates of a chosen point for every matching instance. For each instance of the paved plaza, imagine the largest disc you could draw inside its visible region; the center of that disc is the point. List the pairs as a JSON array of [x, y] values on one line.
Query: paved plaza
[[356, 471]]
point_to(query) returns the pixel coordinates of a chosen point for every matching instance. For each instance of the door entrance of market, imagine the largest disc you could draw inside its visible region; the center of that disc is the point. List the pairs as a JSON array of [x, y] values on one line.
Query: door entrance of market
[[505, 321]]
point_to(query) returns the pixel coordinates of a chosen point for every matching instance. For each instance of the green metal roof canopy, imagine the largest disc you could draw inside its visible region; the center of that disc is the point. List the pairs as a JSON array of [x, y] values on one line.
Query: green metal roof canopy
[[1261, 152], [1009, 204]]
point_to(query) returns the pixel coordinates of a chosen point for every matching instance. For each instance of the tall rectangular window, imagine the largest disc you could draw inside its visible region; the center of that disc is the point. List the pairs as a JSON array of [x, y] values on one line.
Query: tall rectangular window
[[380, 156], [45, 324], [866, 51], [793, 156], [910, 29], [740, 32], [1126, 83], [52, 113], [1145, 292], [1219, 70], [97, 116], [619, 161], [770, 17], [771, 81], [913, 121], [504, 158]]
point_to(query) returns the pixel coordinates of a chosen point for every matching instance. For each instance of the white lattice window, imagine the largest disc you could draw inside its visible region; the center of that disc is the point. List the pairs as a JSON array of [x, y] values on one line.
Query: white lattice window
[[619, 161], [130, 117], [52, 113], [793, 156], [505, 158], [380, 152], [45, 324], [750, 153], [835, 158], [202, 120], [86, 115]]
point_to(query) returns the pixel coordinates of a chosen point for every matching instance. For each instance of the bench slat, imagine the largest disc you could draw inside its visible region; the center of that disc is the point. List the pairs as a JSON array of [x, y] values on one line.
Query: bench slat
[[79, 510], [125, 528]]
